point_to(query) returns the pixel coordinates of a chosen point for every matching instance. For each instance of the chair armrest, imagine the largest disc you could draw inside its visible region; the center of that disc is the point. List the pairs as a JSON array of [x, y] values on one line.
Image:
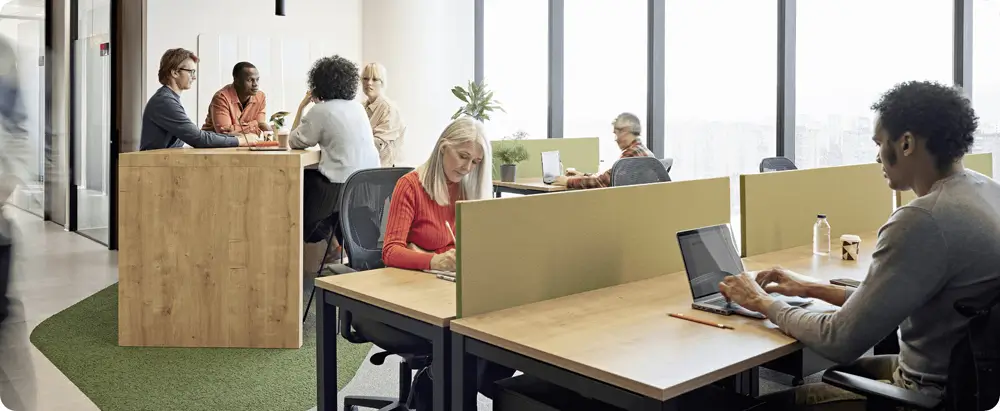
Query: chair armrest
[[880, 390], [341, 269]]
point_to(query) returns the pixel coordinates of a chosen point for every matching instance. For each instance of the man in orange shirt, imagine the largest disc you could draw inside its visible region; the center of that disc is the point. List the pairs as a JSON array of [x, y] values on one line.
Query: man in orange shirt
[[239, 107]]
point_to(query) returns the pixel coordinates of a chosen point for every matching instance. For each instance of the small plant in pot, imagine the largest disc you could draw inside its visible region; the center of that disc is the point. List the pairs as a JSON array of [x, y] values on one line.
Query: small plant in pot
[[507, 153], [278, 121]]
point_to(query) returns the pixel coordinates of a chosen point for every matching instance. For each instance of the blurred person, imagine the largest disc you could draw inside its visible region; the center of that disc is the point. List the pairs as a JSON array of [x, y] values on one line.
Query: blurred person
[[239, 107], [17, 386], [165, 123], [387, 124], [627, 130]]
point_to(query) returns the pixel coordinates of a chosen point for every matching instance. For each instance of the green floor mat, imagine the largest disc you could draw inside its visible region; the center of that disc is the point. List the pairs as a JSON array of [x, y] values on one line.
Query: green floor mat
[[82, 341]]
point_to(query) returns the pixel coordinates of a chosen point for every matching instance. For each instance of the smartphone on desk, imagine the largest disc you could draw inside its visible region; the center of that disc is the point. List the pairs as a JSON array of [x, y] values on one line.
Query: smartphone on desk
[[846, 282]]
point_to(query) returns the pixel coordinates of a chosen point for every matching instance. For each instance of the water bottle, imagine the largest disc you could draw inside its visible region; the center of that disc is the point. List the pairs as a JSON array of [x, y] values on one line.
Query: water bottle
[[821, 236]]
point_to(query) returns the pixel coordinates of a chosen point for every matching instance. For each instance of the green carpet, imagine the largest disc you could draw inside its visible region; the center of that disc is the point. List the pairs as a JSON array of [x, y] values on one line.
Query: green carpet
[[82, 341]]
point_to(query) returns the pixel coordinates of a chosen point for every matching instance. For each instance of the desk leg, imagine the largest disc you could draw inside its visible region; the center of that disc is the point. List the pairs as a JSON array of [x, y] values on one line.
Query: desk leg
[[496, 192], [463, 375], [326, 354], [441, 369]]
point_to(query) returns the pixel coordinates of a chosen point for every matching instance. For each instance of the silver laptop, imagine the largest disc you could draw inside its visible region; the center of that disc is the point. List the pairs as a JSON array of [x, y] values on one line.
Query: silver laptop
[[550, 166], [710, 255]]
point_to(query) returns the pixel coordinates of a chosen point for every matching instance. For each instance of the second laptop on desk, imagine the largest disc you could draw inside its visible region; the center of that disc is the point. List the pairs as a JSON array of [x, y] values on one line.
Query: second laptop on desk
[[710, 255]]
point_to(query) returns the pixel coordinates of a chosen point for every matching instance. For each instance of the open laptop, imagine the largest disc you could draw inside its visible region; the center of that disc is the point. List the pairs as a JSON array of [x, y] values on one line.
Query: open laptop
[[550, 166], [710, 255]]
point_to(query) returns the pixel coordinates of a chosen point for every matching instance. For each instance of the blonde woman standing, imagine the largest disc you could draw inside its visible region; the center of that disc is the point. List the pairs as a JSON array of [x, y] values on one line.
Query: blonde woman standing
[[387, 124]]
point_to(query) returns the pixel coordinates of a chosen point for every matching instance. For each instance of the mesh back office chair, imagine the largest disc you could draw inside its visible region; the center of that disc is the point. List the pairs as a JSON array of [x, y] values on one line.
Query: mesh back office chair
[[973, 372], [363, 206], [638, 170], [776, 164]]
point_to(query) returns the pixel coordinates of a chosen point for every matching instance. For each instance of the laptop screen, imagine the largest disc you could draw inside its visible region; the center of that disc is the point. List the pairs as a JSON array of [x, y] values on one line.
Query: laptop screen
[[550, 166], [709, 256]]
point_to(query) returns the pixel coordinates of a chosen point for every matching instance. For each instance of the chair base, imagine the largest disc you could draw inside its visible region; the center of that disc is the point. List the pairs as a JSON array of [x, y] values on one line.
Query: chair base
[[380, 403]]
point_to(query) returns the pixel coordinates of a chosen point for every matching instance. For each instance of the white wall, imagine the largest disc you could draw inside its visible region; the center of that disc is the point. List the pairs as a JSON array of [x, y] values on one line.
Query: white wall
[[427, 47], [178, 23]]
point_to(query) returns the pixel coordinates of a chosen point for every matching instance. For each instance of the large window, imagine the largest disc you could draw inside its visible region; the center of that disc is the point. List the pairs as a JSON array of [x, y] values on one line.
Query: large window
[[605, 68], [986, 77], [848, 53], [721, 74], [516, 65]]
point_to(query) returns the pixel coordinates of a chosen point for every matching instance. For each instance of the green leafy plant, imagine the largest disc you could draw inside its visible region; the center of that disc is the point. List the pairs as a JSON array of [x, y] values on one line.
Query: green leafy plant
[[479, 102], [278, 120], [510, 150]]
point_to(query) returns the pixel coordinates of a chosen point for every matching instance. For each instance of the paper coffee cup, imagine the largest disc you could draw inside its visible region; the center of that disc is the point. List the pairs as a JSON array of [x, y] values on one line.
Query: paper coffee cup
[[283, 138], [850, 247]]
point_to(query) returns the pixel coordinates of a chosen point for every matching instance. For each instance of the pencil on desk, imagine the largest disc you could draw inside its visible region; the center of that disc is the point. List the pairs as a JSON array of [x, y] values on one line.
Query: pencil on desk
[[708, 323]]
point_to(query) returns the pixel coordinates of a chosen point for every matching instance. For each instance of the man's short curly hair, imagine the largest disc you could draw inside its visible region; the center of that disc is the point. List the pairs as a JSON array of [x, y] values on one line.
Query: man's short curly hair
[[937, 113], [334, 78]]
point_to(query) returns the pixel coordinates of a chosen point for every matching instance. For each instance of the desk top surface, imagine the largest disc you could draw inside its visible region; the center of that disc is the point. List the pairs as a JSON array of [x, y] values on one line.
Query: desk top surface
[[415, 294], [623, 335], [232, 156], [533, 184]]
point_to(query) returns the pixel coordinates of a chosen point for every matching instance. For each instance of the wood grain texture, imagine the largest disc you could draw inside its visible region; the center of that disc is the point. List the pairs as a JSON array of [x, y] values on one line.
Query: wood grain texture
[[623, 336], [583, 154], [534, 184], [210, 248], [981, 163], [415, 294], [779, 209], [515, 251]]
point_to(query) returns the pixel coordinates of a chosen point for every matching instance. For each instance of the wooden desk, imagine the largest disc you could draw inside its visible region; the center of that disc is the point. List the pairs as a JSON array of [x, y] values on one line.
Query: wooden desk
[[619, 345], [821, 268], [525, 186], [210, 251], [412, 301]]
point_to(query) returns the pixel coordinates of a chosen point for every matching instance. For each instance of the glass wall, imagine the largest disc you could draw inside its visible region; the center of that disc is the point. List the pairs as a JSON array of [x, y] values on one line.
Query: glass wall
[[517, 66], [92, 118], [986, 77], [605, 68], [849, 52], [23, 26]]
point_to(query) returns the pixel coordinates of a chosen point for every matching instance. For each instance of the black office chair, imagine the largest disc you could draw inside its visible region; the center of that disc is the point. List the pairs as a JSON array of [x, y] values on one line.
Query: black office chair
[[638, 170], [776, 164], [973, 373]]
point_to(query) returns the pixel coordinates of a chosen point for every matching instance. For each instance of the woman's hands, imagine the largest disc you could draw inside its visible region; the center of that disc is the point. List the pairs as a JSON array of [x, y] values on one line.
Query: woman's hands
[[444, 261]]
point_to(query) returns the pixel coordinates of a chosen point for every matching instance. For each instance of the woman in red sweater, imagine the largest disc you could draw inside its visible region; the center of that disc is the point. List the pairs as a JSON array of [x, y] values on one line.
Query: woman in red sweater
[[416, 236]]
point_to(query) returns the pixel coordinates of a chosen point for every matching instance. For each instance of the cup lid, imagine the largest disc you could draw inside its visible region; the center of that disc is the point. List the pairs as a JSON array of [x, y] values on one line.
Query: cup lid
[[850, 237]]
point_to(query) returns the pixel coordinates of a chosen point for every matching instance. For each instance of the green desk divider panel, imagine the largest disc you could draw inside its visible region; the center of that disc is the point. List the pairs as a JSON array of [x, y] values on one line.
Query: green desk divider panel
[[582, 154]]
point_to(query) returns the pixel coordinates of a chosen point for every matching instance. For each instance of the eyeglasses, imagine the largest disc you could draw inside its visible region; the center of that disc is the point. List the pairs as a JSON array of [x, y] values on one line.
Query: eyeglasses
[[192, 71]]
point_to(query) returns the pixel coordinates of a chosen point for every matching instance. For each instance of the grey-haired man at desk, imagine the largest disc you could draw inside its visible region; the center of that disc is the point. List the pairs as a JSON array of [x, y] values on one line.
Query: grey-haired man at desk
[[941, 248], [165, 124]]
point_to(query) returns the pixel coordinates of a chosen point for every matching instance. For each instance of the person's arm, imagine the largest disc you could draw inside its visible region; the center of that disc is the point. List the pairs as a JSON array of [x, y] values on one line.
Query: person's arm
[[170, 115], [262, 117], [833, 294], [306, 130], [395, 252], [222, 122], [589, 181], [906, 270]]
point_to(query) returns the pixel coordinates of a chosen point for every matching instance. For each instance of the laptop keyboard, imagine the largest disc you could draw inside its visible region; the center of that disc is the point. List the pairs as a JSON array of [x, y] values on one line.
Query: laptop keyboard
[[720, 302]]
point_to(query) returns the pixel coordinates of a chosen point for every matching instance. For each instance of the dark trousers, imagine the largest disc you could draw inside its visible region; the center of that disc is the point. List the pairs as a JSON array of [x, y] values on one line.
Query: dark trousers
[[396, 340], [320, 203]]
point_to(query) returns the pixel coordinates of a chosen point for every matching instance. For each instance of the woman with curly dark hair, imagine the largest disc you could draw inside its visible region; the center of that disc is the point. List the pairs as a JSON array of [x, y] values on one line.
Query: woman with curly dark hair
[[339, 125]]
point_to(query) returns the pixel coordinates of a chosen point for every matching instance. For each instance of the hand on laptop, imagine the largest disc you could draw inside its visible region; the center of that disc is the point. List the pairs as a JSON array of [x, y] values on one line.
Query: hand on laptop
[[743, 290], [560, 181], [781, 281]]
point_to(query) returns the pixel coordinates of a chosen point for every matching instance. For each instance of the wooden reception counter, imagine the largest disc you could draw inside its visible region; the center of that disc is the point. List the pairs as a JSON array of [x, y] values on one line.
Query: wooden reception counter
[[210, 247]]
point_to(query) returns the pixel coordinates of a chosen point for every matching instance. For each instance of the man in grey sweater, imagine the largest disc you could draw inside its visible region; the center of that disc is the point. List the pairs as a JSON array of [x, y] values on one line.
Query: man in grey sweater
[[942, 247], [165, 124]]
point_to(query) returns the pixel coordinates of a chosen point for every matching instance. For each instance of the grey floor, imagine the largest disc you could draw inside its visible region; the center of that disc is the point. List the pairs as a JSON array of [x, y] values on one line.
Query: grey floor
[[55, 269]]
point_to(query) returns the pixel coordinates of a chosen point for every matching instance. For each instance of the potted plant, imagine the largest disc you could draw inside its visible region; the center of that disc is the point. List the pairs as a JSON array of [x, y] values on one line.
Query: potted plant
[[507, 153], [278, 121], [479, 102]]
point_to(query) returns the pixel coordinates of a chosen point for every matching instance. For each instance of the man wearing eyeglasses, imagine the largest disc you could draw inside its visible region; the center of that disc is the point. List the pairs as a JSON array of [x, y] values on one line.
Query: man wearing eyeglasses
[[165, 124], [627, 130]]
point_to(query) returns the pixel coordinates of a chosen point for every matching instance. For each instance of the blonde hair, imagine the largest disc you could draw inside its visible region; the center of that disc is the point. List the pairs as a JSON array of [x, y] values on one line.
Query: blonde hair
[[478, 183], [374, 70]]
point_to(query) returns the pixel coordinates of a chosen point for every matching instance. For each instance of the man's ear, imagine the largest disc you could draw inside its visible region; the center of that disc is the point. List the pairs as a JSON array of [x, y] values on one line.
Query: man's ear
[[908, 143]]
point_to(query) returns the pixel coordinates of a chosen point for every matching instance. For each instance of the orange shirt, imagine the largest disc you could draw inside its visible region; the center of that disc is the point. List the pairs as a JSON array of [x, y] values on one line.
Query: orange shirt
[[415, 218], [226, 115]]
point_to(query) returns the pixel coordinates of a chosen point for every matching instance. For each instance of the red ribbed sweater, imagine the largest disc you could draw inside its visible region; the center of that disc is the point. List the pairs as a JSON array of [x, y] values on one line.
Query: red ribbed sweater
[[415, 218]]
